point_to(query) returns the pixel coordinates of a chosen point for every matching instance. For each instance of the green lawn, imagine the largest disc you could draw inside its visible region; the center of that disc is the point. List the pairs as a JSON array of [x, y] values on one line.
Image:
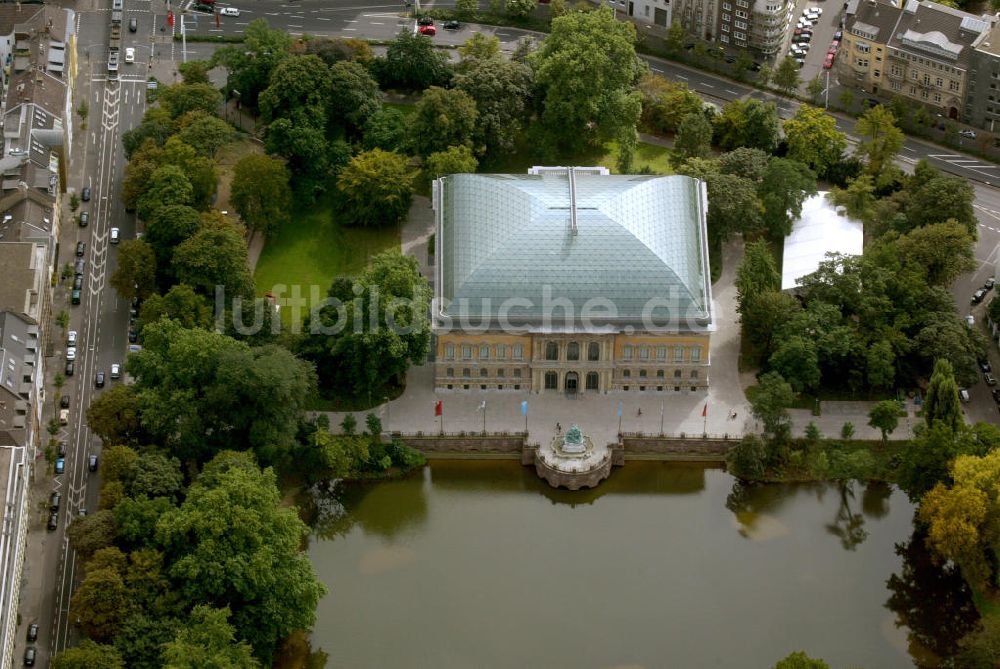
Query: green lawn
[[314, 249], [528, 154]]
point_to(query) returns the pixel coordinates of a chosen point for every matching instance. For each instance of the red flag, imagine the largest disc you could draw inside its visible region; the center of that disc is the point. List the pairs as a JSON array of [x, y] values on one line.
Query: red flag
[[437, 408], [704, 412], [217, 23], [170, 19]]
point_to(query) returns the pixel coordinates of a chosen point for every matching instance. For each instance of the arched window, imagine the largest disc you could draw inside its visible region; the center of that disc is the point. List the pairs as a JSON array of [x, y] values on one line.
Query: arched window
[[484, 372], [551, 380], [551, 350], [593, 351], [591, 380], [573, 351], [694, 373]]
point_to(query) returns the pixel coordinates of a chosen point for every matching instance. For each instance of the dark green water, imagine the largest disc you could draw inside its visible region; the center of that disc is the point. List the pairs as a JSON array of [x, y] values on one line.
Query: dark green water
[[479, 564]]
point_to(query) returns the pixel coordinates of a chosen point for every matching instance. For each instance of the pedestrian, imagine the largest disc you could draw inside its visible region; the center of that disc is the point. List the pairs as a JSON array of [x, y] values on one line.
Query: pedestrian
[[558, 428], [639, 412]]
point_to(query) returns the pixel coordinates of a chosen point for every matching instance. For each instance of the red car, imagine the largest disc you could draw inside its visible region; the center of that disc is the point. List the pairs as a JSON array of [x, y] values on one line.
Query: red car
[[828, 63], [430, 31], [803, 31]]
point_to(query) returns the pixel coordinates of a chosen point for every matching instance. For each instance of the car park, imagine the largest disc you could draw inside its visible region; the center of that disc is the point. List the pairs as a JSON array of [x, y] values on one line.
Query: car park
[[115, 235], [60, 466], [70, 367], [116, 370], [92, 462], [978, 296], [33, 632], [84, 219], [428, 30], [81, 249], [99, 380], [968, 134], [71, 353], [85, 194], [229, 11], [989, 379], [29, 652]]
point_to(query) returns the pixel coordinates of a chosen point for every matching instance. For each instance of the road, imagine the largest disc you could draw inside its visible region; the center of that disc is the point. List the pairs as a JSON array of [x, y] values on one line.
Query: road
[[101, 320]]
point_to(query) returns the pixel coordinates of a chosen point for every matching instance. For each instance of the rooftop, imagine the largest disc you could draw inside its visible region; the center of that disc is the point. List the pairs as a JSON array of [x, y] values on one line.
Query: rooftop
[[939, 31], [570, 248], [818, 231]]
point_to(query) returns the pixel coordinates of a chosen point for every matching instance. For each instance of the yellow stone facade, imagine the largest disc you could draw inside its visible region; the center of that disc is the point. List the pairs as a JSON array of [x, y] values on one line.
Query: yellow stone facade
[[574, 363]]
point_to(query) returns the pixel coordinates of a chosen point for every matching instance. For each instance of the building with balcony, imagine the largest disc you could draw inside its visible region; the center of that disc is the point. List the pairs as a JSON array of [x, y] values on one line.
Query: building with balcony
[[921, 52], [571, 280]]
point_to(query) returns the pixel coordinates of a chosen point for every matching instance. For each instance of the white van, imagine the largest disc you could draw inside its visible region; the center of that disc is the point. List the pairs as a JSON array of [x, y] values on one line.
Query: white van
[[63, 416], [963, 395]]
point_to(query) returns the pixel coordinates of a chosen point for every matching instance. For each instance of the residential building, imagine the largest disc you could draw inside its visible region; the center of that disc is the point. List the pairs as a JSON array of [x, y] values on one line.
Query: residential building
[[759, 25], [650, 12], [982, 94], [571, 280], [921, 52]]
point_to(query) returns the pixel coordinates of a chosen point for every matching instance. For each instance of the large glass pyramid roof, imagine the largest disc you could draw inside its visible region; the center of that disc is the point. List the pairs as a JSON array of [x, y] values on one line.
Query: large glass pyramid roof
[[508, 249]]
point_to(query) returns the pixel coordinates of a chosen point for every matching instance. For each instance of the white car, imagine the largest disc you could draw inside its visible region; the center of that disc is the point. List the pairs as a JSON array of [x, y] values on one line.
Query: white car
[[71, 353], [230, 11], [813, 11], [130, 54], [116, 370], [115, 235], [968, 134], [970, 319], [71, 338]]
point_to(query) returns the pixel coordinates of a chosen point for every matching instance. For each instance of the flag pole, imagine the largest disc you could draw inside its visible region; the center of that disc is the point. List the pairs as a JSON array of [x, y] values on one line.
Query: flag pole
[[484, 418], [704, 415], [661, 419]]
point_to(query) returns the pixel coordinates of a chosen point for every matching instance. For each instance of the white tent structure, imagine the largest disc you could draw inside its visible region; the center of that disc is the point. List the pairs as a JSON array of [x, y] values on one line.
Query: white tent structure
[[820, 230]]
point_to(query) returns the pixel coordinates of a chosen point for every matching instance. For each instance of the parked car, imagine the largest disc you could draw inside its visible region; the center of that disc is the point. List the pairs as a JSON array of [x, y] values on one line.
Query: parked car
[[828, 61], [85, 194], [32, 632], [64, 416], [133, 25], [52, 525], [230, 11], [71, 338], [84, 218], [804, 37], [78, 282], [989, 379], [970, 320], [79, 266], [115, 235], [64, 401], [978, 296], [425, 21], [61, 449], [968, 134], [803, 31], [452, 25], [430, 31], [71, 353], [81, 249], [74, 297], [116, 370], [54, 499], [92, 462], [99, 379], [813, 12], [70, 366], [839, 35], [990, 282], [996, 395], [963, 395], [133, 335], [60, 465], [129, 54], [29, 652]]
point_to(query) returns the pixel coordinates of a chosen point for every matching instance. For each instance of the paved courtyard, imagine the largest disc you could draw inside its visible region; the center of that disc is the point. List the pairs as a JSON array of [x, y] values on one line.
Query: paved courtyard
[[597, 414]]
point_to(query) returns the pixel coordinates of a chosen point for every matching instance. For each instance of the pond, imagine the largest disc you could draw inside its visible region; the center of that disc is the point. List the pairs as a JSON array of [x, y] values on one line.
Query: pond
[[479, 564]]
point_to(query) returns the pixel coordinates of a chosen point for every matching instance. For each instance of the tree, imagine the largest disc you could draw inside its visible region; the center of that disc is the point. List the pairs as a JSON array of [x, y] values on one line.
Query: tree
[[91, 533], [442, 118], [941, 401], [694, 136], [884, 417], [260, 192], [942, 198], [181, 304], [157, 126], [800, 660], [114, 416], [757, 274], [385, 130], [746, 460], [785, 187], [179, 99], [771, 398], [764, 317], [980, 648], [665, 103], [881, 364], [412, 62], [202, 391], [519, 9], [141, 640], [377, 189], [455, 160], [208, 640], [880, 141], [101, 603], [135, 275], [500, 90], [466, 8], [797, 360], [359, 359], [746, 163], [354, 95], [943, 250], [595, 48], [195, 71], [815, 88], [786, 76], [167, 185], [168, 227], [675, 38], [857, 198], [750, 123], [206, 134], [732, 206], [215, 257], [232, 544], [813, 139], [199, 170], [336, 49], [962, 518], [299, 89], [88, 655], [308, 154], [250, 64], [136, 520], [478, 49]]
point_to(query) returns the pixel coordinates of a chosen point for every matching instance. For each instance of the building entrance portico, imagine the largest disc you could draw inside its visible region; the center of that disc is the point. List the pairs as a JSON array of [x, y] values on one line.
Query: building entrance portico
[[572, 383]]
